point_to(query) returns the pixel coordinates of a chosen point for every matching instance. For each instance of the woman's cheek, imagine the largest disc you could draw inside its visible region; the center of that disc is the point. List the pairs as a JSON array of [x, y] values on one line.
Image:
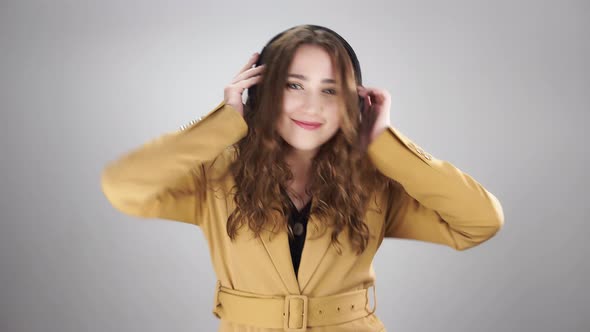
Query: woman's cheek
[[291, 103]]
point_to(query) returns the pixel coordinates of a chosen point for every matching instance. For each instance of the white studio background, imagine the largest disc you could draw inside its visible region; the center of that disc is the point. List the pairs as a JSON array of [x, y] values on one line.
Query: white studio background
[[499, 88]]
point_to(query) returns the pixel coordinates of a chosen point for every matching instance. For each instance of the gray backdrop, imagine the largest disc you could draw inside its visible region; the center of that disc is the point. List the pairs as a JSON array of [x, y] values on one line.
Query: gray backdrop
[[500, 89]]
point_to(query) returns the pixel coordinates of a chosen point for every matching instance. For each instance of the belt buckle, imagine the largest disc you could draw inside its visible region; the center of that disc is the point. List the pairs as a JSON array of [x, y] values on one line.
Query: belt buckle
[[287, 313], [374, 298], [216, 303]]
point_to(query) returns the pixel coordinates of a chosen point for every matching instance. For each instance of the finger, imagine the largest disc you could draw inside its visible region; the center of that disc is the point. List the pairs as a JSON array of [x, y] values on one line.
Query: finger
[[249, 73], [362, 91], [368, 101], [380, 95], [377, 96], [366, 91], [244, 84], [250, 62]]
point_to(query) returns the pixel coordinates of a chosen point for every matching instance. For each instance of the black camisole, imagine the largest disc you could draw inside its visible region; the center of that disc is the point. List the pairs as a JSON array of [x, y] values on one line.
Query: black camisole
[[298, 226]]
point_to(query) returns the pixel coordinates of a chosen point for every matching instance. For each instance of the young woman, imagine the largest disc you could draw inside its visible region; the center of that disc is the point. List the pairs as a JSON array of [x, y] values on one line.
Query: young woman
[[295, 190]]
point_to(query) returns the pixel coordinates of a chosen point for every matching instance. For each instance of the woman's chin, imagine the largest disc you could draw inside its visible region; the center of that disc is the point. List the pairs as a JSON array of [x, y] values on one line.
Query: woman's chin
[[303, 149]]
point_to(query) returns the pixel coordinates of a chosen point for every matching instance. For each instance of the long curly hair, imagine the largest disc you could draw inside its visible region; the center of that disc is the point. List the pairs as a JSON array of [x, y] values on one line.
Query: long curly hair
[[342, 179]]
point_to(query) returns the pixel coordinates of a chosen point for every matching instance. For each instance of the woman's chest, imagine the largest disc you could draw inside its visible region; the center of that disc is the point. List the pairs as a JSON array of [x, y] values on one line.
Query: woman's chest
[[264, 264]]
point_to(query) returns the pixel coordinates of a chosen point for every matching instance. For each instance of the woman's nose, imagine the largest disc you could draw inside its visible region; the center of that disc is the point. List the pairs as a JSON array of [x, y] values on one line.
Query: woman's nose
[[314, 104]]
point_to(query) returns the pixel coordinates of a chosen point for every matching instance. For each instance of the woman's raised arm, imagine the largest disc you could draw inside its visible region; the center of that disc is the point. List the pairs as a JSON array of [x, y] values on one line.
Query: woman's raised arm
[[438, 202], [166, 177]]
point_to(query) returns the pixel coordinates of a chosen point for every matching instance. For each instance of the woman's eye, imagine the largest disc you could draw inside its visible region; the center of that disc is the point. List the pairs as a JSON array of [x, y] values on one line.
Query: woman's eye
[[291, 85], [295, 85]]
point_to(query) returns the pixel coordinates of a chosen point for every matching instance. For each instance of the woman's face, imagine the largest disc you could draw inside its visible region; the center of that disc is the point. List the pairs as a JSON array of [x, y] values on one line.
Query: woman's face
[[310, 114]]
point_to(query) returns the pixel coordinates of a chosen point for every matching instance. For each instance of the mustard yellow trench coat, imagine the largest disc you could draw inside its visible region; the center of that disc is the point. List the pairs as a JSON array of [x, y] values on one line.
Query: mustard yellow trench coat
[[167, 178]]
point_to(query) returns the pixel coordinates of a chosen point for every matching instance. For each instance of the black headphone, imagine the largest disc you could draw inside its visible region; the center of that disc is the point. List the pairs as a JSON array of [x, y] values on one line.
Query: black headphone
[[355, 63]]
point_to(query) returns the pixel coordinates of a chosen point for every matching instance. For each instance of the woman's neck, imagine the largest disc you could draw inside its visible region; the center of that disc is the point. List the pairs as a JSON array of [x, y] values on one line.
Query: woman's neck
[[300, 164]]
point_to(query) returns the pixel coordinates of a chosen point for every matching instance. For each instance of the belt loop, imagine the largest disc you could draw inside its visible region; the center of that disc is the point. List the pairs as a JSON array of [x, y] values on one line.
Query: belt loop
[[216, 303], [374, 298], [287, 313]]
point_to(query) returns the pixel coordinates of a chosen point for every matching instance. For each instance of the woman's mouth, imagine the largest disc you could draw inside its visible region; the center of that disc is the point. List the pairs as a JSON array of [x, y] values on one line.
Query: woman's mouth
[[308, 125]]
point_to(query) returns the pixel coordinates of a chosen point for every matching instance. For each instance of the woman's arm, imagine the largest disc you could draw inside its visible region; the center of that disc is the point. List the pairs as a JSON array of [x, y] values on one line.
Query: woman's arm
[[439, 203], [166, 177]]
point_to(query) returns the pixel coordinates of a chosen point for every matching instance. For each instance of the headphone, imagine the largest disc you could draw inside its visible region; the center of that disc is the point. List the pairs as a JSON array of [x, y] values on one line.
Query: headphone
[[353, 58]]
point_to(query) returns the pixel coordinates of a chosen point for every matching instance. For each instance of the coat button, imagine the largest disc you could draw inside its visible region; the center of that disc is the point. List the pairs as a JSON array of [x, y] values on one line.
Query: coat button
[[298, 229]]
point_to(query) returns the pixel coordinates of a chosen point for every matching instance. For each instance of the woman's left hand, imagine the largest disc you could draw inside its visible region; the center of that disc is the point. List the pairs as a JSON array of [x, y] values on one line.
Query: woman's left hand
[[376, 116]]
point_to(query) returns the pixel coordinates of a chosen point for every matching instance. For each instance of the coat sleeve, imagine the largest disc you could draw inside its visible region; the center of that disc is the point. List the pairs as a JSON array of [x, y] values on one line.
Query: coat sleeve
[[166, 177], [437, 202]]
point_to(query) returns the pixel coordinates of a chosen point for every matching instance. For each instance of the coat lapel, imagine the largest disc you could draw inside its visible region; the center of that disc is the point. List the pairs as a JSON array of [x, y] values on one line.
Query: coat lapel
[[277, 246], [314, 249]]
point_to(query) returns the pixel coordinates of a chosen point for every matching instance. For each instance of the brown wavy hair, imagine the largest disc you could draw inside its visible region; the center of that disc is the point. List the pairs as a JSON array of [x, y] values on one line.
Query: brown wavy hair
[[342, 179]]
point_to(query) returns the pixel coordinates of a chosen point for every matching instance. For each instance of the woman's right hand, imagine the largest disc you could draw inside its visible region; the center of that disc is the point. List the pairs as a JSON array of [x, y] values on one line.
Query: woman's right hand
[[244, 79]]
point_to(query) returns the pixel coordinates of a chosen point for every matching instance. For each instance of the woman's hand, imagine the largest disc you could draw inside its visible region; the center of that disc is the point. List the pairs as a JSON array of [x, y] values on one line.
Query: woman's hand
[[376, 116], [244, 79]]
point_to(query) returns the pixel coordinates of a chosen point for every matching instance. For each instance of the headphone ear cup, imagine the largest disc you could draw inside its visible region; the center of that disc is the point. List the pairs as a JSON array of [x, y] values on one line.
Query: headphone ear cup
[[251, 100], [361, 104]]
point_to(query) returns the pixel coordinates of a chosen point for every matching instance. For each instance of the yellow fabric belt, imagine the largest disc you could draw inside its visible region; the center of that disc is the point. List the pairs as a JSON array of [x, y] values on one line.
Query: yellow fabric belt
[[291, 312]]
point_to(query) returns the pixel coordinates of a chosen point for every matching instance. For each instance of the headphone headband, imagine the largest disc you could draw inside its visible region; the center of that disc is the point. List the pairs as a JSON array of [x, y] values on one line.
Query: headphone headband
[[349, 50]]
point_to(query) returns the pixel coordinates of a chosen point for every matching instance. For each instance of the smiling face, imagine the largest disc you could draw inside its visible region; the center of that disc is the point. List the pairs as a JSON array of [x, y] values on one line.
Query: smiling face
[[311, 106]]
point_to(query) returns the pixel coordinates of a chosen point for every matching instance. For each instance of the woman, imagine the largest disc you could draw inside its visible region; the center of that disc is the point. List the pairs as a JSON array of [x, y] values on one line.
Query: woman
[[296, 190]]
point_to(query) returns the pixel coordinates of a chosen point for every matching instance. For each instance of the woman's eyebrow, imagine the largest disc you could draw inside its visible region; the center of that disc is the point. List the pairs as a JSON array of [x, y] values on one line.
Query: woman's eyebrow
[[299, 76]]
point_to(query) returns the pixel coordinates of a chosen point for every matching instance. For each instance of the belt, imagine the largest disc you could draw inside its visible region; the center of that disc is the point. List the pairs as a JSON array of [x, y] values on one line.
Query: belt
[[291, 312]]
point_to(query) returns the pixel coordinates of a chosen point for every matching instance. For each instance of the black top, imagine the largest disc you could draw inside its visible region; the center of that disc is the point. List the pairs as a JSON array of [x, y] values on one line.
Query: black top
[[298, 226]]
